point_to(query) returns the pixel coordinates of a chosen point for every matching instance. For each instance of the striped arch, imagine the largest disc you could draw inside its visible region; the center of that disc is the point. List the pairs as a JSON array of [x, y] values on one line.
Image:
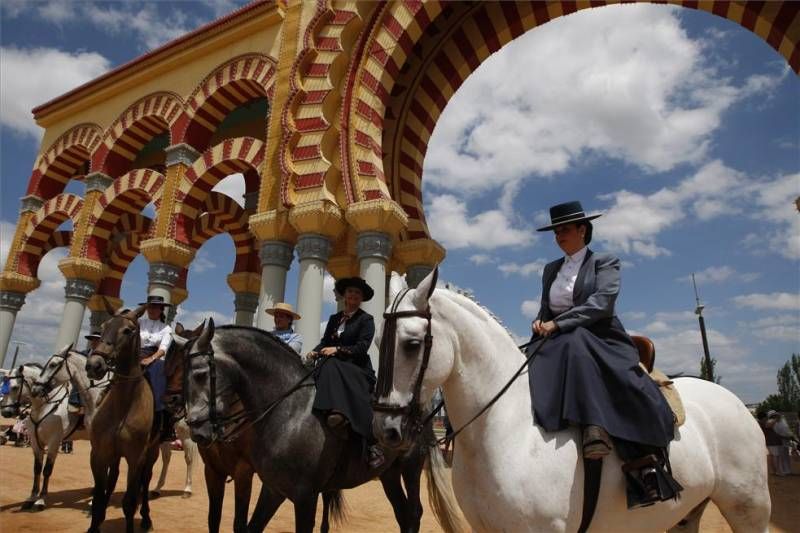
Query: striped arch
[[243, 154], [232, 84], [128, 195], [58, 239], [130, 230], [150, 116], [224, 215], [419, 53], [66, 157], [40, 233]]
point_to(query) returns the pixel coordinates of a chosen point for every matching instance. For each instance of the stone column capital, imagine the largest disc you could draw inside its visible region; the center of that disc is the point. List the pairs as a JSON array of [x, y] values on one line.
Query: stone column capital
[[382, 215], [374, 244], [177, 296], [30, 204], [180, 153], [164, 250], [313, 246], [15, 282], [272, 226], [321, 217], [97, 181], [163, 274], [245, 301], [12, 300], [79, 289], [244, 282], [277, 253]]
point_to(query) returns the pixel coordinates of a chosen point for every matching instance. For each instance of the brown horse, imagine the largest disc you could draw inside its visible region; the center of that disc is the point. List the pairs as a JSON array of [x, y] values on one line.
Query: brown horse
[[123, 423]]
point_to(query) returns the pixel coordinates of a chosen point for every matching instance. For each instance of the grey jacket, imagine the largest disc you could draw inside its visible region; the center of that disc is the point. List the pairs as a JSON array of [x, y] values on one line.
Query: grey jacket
[[594, 295]]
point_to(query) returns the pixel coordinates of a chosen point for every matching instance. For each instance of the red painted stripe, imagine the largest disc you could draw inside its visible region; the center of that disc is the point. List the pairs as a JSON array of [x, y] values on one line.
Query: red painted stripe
[[720, 9], [783, 19], [750, 16], [433, 91], [513, 18], [302, 153], [314, 97], [366, 168], [450, 73], [318, 70], [328, 43], [373, 194], [408, 187], [311, 124], [488, 31], [411, 136], [306, 181], [422, 115], [341, 18], [410, 163]]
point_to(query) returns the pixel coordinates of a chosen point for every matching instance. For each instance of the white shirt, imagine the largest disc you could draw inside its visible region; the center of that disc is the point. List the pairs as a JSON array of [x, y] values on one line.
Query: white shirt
[[564, 284], [154, 333]]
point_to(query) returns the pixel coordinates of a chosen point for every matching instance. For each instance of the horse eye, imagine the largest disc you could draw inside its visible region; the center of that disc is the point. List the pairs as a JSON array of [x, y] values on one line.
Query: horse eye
[[412, 345], [126, 331], [200, 375]]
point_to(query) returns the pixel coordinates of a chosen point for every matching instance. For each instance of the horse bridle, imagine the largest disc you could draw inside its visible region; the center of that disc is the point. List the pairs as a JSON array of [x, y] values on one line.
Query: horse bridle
[[386, 365], [111, 362], [20, 376]]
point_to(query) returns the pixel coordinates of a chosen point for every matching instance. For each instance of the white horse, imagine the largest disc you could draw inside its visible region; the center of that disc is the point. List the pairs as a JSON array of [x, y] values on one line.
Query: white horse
[[510, 475], [189, 453]]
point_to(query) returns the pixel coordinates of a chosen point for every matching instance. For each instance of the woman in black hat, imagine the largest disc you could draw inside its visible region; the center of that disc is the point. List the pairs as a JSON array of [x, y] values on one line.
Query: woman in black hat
[[345, 381], [588, 374], [155, 337]]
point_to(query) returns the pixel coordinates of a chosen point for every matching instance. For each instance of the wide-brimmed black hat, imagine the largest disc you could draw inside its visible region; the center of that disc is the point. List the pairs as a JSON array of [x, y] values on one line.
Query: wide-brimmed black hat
[[357, 283], [567, 213], [155, 300]]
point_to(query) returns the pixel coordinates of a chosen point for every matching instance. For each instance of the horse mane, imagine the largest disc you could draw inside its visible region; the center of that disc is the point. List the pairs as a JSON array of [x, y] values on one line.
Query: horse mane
[[37, 365], [477, 309], [269, 341]]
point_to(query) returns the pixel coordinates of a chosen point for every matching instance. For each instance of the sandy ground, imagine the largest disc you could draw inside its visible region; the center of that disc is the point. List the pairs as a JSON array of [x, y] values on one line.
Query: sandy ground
[[369, 511]]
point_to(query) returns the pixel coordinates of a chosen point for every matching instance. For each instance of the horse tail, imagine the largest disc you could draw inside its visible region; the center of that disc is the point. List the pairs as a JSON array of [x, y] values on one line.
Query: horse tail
[[440, 492], [337, 507]]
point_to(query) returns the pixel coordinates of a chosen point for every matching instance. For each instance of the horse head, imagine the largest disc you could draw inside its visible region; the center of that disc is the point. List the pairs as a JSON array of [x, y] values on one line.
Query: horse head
[[18, 383], [411, 365], [202, 400], [55, 373], [175, 365], [118, 346]]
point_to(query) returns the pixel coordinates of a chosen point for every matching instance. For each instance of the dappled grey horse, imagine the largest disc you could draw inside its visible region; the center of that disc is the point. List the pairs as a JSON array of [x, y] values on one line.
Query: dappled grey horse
[[294, 453]]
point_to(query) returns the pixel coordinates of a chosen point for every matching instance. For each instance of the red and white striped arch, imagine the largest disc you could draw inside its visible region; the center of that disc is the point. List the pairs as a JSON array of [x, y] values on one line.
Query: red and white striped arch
[[123, 199], [419, 53], [230, 85], [130, 230], [63, 159], [224, 215], [40, 233], [242, 154], [136, 126]]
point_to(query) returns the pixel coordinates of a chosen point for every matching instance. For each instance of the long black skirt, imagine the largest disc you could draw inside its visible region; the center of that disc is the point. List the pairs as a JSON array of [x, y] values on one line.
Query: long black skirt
[[347, 389], [592, 377]]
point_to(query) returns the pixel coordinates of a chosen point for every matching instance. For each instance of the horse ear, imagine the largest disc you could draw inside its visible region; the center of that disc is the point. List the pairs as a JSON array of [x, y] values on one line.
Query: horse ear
[[207, 334], [179, 329], [138, 312], [109, 308], [425, 289], [65, 350], [197, 331], [397, 283]]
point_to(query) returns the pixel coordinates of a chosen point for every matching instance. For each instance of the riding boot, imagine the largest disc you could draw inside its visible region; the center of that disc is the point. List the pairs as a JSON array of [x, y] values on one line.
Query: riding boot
[[648, 475]]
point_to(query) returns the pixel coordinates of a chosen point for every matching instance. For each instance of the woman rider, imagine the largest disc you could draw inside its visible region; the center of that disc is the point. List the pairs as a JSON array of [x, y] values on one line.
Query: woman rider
[[588, 374], [346, 379], [155, 338]]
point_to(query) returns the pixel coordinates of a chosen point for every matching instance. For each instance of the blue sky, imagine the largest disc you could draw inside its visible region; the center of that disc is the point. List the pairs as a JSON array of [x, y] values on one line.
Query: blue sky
[[682, 127]]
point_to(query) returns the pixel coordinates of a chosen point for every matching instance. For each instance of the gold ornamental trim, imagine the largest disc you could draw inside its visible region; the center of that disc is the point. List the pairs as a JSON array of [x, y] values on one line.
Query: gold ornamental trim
[[272, 226], [165, 250], [382, 215], [97, 303], [419, 252], [178, 295], [14, 282], [343, 266], [322, 217], [82, 268], [244, 282]]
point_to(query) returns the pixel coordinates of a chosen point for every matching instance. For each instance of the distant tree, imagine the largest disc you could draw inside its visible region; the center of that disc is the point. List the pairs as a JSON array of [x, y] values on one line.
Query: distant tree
[[788, 396], [709, 374]]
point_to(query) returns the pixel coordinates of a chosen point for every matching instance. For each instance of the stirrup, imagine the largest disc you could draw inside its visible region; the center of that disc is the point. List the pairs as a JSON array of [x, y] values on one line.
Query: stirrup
[[596, 443]]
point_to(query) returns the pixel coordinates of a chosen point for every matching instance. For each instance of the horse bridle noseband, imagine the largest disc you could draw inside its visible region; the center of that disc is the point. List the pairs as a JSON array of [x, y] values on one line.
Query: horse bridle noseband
[[20, 376], [386, 365]]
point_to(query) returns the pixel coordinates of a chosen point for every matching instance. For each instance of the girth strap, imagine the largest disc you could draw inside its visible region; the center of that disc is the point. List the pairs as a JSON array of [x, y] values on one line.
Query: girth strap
[[592, 475]]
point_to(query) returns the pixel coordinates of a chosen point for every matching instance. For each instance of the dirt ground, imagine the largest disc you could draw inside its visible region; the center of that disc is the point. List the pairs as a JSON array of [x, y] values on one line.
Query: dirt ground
[[369, 511]]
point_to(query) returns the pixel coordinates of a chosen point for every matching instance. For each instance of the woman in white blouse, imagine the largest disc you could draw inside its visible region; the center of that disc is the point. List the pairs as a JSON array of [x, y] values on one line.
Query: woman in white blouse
[[587, 374], [155, 337]]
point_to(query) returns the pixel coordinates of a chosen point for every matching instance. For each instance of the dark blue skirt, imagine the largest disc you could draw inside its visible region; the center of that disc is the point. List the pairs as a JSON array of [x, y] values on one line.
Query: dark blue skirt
[[344, 387], [591, 376]]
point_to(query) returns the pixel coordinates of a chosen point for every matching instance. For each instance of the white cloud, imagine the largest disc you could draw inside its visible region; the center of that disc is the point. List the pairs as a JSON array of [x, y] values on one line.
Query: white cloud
[[232, 186], [328, 293], [524, 270], [150, 27], [192, 318], [720, 274], [776, 204], [777, 300], [624, 82], [451, 225], [659, 326], [634, 315], [481, 259], [775, 328], [530, 308], [32, 76], [202, 262], [57, 12]]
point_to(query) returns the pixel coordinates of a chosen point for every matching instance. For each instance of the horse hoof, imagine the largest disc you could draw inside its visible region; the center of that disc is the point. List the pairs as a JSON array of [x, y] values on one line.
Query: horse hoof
[[27, 505], [38, 506], [186, 494], [146, 525]]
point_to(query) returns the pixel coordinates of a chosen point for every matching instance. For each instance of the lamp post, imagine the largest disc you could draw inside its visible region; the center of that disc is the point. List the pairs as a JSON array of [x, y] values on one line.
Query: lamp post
[[698, 310]]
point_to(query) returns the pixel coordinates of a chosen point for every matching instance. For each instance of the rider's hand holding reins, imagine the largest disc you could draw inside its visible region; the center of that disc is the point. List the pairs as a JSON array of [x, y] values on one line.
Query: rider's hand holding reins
[[544, 329], [329, 351]]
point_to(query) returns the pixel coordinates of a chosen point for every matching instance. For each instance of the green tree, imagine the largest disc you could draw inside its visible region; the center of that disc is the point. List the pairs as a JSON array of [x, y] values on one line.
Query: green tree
[[788, 396], [709, 374]]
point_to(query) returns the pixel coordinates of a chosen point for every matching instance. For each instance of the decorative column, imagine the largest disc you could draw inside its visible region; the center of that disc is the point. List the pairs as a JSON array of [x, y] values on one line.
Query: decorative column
[[77, 292], [162, 279], [276, 258], [313, 251], [98, 305], [245, 286], [374, 250], [10, 304]]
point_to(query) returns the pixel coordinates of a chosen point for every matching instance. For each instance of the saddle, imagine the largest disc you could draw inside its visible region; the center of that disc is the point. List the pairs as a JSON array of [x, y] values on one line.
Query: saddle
[[647, 359]]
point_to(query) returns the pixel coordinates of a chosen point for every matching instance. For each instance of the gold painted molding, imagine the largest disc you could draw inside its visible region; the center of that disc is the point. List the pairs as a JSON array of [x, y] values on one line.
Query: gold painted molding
[[244, 282], [82, 268], [168, 251], [12, 281], [377, 215], [272, 226], [322, 217]]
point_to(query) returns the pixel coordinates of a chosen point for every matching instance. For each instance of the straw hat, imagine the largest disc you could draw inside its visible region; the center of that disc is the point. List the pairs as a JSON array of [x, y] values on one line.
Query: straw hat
[[284, 308]]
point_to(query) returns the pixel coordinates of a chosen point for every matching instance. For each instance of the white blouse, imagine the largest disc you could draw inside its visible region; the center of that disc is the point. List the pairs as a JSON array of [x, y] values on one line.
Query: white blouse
[[154, 333], [564, 284]]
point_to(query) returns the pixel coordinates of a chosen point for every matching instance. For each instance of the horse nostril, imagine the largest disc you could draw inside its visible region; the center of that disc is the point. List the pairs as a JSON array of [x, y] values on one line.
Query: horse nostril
[[392, 436]]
